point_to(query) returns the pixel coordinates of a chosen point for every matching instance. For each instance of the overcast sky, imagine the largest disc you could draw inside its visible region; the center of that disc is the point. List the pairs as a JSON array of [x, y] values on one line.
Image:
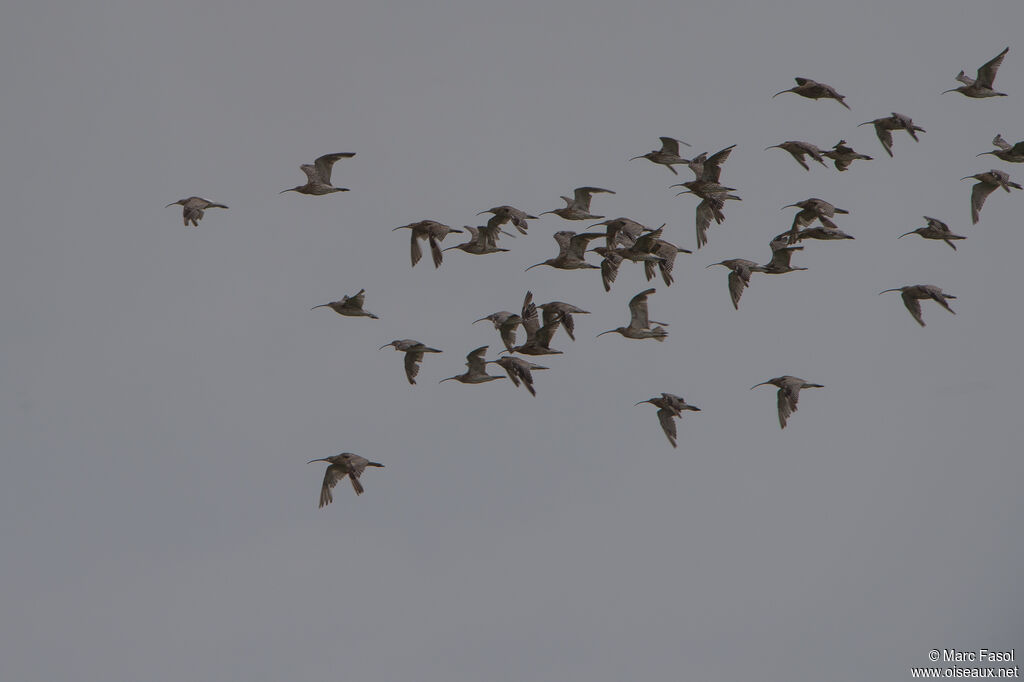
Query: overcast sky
[[164, 386]]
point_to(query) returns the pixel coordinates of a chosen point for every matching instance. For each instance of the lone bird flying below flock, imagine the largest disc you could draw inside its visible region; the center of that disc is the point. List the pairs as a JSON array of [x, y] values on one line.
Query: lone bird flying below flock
[[341, 465], [431, 230], [982, 85], [1005, 151], [639, 324], [669, 406], [935, 229], [805, 87], [844, 155], [885, 126], [798, 150], [988, 182], [789, 393], [668, 155], [476, 369], [915, 293], [192, 209], [571, 248], [519, 371], [414, 351], [349, 306], [318, 175], [578, 208], [506, 213]]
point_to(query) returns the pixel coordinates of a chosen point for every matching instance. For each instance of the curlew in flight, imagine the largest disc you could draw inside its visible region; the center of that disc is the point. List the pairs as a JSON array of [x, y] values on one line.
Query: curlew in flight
[[789, 393], [982, 85], [988, 182], [431, 230], [414, 351], [339, 466], [506, 213], [476, 369], [805, 87], [578, 208], [935, 229], [1005, 151], [318, 175], [349, 306], [798, 150], [668, 155], [192, 209], [639, 325], [885, 126], [670, 406], [913, 294]]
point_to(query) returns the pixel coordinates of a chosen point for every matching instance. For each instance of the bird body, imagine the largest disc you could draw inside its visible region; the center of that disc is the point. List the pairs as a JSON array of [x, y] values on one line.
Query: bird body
[[805, 87], [506, 213], [982, 85], [789, 393], [538, 337], [668, 155], [913, 294], [578, 207], [1005, 151], [639, 324], [885, 126], [476, 369], [482, 240], [670, 407], [571, 248], [345, 464], [414, 351], [318, 175], [935, 229], [192, 209], [843, 155], [349, 306], [430, 230], [799, 149], [740, 270], [988, 182], [519, 371]]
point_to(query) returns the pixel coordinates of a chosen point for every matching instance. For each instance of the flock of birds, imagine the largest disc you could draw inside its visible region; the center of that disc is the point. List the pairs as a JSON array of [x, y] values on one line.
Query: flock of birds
[[627, 240]]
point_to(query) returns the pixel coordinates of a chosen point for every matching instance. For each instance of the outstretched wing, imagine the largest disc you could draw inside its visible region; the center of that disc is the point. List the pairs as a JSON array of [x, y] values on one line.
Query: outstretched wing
[[668, 424], [638, 310], [914, 306], [325, 164], [987, 73]]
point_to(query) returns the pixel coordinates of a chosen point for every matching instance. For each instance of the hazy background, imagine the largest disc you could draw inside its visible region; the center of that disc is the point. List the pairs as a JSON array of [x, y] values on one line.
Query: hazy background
[[163, 386]]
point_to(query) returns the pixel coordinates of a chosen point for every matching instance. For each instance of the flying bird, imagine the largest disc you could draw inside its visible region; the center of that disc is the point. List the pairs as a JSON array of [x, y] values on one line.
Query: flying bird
[[740, 270], [670, 407], [885, 126], [506, 213], [560, 312], [988, 182], [318, 175], [639, 324], [935, 229], [578, 208], [414, 351], [789, 393], [538, 338], [571, 247], [1005, 151], [982, 85], [431, 230], [192, 209], [843, 155], [805, 87], [915, 293], [519, 371], [349, 306], [339, 466], [798, 150], [506, 323], [482, 240], [668, 155], [476, 369]]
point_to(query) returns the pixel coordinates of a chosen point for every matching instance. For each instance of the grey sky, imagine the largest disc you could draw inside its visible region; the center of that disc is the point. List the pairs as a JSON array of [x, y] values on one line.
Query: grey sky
[[164, 386]]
